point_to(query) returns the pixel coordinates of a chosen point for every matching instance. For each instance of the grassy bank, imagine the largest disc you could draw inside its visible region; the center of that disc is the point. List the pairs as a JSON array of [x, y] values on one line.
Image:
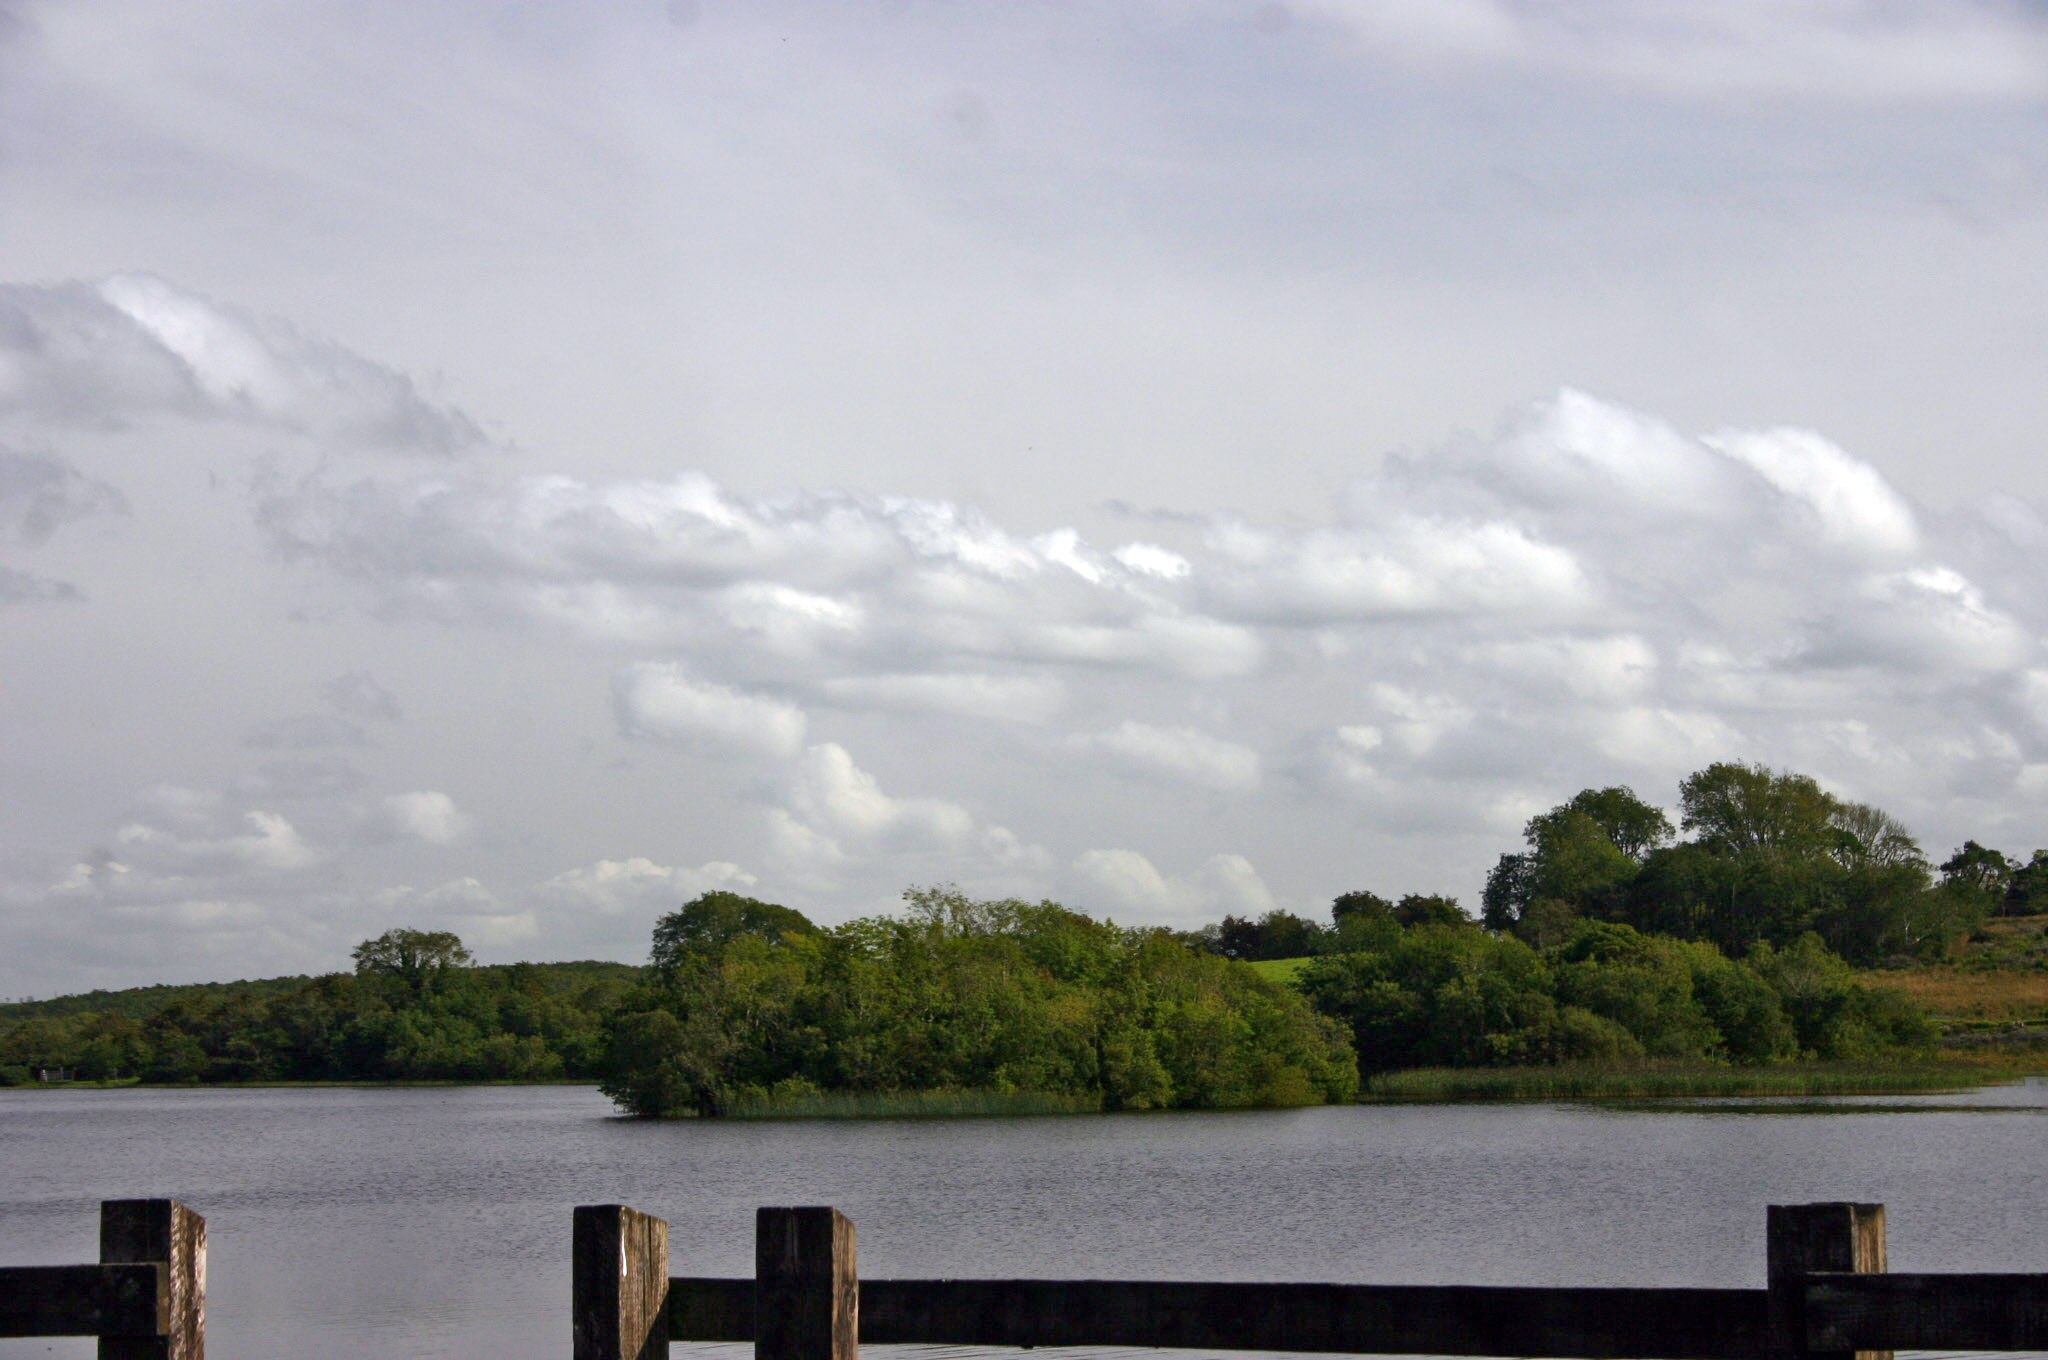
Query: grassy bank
[[909, 1104], [1572, 1082]]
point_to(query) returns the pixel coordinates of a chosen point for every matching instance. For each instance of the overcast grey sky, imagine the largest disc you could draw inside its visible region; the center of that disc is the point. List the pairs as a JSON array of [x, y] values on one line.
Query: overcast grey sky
[[507, 467]]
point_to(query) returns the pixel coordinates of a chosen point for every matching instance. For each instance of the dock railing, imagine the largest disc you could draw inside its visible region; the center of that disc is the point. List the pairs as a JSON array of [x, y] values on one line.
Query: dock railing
[[1827, 1296], [144, 1300]]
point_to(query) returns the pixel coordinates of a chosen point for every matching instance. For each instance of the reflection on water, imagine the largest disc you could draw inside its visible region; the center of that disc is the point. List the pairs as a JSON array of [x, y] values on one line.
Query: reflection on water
[[435, 1222]]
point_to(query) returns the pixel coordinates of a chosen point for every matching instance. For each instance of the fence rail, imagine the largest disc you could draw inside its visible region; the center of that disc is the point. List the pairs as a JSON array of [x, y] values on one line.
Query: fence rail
[[1827, 1296], [145, 1300]]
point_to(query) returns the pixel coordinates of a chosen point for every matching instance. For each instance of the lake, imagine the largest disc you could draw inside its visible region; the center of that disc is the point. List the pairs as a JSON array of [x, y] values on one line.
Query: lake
[[427, 1222]]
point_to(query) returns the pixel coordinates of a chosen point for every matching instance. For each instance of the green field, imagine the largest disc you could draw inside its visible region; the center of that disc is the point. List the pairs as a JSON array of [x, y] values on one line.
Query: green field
[[1278, 970]]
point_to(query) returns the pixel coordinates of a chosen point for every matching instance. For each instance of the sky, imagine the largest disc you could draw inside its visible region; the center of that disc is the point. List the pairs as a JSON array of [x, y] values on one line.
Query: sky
[[510, 467]]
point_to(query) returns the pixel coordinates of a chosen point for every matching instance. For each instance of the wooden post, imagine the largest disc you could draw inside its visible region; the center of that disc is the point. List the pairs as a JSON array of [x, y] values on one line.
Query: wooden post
[[1817, 1237], [619, 1289], [164, 1232], [806, 1289]]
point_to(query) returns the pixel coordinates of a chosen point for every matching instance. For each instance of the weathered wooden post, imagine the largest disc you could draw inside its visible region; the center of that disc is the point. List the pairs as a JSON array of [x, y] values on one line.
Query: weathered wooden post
[[619, 1284], [806, 1288], [164, 1232], [1817, 1237]]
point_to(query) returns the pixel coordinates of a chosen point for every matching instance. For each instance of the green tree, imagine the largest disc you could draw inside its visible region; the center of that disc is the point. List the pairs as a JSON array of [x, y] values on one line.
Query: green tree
[[1430, 909], [2026, 892], [421, 960], [1635, 827], [701, 928], [1980, 872], [1748, 810]]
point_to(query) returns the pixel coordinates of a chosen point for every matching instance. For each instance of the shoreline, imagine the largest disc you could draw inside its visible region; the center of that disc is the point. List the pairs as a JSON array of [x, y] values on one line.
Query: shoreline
[[1414, 1086]]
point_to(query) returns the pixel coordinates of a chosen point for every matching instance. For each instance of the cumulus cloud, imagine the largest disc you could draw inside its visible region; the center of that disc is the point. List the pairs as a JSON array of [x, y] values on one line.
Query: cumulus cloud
[[837, 817], [1177, 754], [1128, 883], [639, 886], [132, 346], [1851, 503], [878, 584], [662, 702], [1585, 594], [425, 815], [464, 905], [1406, 566], [269, 842]]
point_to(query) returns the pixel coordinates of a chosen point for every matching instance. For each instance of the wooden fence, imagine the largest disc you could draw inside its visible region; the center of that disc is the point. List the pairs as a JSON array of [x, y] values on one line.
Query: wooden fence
[[1826, 1295], [145, 1300]]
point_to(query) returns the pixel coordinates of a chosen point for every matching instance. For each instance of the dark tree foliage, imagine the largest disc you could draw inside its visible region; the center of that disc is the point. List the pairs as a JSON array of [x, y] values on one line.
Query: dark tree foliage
[[1634, 827], [417, 959], [1429, 909], [1510, 886], [960, 994], [1771, 856], [413, 1010], [702, 927], [1442, 996]]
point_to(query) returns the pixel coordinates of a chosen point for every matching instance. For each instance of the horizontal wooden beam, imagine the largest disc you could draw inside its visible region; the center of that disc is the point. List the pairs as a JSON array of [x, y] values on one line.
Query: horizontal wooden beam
[[1596, 1324], [109, 1300], [1927, 1312], [712, 1310]]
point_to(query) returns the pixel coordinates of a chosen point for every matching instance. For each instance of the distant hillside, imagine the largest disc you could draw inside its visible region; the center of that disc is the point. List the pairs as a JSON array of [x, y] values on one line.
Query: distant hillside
[[140, 1003]]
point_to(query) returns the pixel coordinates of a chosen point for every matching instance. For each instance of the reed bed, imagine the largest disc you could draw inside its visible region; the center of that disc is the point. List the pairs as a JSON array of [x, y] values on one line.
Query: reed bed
[[909, 1104], [1574, 1082]]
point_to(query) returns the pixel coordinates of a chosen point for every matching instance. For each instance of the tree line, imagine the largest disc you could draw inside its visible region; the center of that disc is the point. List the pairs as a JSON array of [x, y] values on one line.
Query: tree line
[[746, 1000], [413, 1009], [1607, 938], [1768, 857]]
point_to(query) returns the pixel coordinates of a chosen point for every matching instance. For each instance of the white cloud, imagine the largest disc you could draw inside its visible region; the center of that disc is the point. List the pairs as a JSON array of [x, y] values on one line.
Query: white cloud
[[839, 826], [1149, 559], [639, 886], [1406, 566], [1925, 619], [1130, 884], [133, 347], [1181, 755], [659, 701], [426, 815], [464, 905], [1851, 505], [270, 843], [831, 793]]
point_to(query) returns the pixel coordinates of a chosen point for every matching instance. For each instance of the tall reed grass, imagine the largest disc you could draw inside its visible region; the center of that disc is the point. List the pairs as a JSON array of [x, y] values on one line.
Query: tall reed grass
[[1588, 1082], [907, 1104]]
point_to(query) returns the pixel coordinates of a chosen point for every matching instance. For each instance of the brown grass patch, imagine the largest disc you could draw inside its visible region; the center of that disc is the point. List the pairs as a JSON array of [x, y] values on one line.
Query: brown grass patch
[[1951, 993]]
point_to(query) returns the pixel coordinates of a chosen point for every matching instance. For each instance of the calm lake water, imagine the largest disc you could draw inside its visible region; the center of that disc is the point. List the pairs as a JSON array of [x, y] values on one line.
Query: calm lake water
[[435, 1222]]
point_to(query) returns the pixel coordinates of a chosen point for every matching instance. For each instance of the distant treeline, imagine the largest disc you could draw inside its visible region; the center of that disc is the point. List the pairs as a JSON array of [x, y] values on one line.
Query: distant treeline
[[414, 1009], [1770, 857], [1605, 940]]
